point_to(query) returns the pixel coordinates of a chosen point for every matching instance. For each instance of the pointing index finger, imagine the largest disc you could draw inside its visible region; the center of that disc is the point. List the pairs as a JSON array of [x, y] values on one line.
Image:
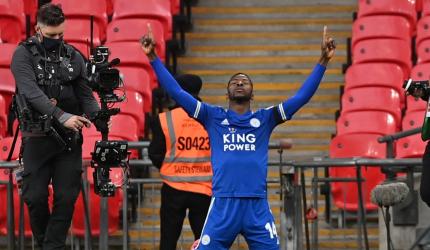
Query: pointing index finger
[[150, 35], [325, 33]]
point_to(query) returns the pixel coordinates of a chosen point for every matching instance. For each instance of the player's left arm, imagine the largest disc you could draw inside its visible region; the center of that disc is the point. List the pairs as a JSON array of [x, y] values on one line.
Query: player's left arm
[[288, 108]]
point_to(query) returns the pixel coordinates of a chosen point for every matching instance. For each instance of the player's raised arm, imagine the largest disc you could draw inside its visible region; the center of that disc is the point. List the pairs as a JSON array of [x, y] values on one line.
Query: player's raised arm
[[166, 80], [308, 88]]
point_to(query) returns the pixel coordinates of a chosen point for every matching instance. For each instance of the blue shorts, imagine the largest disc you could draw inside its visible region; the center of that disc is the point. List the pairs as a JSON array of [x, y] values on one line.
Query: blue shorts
[[228, 217]]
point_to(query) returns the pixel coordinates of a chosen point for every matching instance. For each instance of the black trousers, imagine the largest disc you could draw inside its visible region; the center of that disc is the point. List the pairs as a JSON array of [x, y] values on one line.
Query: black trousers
[[45, 162], [174, 204], [425, 177]]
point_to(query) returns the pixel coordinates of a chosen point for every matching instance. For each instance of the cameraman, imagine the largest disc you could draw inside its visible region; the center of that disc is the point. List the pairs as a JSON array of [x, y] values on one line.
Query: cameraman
[[419, 92], [51, 76]]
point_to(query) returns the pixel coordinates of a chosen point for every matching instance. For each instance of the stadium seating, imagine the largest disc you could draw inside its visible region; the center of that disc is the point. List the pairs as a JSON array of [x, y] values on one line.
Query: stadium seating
[[134, 106], [345, 195], [12, 21], [387, 75], [119, 31], [372, 98], [376, 27], [5, 144], [388, 7], [423, 30], [114, 205], [175, 6], [150, 9], [3, 117], [370, 122], [132, 55], [79, 31], [423, 52], [413, 104], [386, 51], [84, 10], [138, 80], [411, 146]]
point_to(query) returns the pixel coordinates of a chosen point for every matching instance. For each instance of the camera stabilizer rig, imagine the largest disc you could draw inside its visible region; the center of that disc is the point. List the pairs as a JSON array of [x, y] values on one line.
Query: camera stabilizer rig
[[107, 154]]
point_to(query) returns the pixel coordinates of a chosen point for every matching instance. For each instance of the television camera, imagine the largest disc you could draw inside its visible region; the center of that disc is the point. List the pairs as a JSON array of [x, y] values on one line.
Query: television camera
[[104, 79], [417, 89]]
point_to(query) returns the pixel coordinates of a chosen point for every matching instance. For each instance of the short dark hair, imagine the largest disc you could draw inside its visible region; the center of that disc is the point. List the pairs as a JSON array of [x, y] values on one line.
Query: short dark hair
[[50, 14]]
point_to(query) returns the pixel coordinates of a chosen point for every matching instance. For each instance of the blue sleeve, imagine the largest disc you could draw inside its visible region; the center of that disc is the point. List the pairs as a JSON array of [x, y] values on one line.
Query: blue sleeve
[[288, 108], [191, 105]]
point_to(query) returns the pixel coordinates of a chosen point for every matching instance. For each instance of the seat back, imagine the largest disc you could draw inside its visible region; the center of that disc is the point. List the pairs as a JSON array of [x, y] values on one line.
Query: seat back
[[376, 99], [384, 50], [150, 9], [411, 146], [119, 31], [388, 7], [376, 27], [138, 80], [345, 194], [83, 10], [387, 75], [371, 122]]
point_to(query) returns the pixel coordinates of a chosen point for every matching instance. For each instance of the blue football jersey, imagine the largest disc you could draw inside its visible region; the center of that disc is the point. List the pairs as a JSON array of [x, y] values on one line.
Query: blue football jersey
[[239, 142], [239, 148]]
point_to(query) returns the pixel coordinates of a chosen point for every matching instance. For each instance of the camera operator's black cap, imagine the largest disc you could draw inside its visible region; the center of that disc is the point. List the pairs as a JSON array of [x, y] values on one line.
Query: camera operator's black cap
[[190, 83]]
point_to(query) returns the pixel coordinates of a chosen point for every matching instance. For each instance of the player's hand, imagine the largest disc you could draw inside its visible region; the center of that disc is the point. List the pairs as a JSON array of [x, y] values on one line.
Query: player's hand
[[328, 47], [76, 123], [148, 44]]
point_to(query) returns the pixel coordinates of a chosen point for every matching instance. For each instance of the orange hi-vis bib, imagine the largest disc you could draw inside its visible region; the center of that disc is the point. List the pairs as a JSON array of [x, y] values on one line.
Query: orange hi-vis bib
[[187, 164]]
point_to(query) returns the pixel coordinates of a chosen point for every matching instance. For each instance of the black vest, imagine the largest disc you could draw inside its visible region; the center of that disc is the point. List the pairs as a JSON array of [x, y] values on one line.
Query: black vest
[[56, 73]]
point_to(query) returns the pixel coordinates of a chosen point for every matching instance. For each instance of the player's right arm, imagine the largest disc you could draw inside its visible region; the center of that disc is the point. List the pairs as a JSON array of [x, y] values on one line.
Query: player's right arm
[[190, 104]]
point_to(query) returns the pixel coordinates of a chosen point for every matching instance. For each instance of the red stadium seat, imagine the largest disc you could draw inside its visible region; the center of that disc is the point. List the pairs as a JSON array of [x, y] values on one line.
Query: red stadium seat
[[411, 146], [387, 75], [83, 10], [5, 145], [376, 27], [388, 7], [386, 51], [109, 7], [11, 21], [7, 85], [3, 117], [419, 72], [150, 9], [83, 47], [423, 30], [370, 122], [114, 205], [132, 55], [375, 99], [79, 31], [423, 52], [7, 50], [175, 6], [413, 104], [138, 80], [134, 106], [119, 31], [419, 5], [425, 8], [30, 8], [345, 195]]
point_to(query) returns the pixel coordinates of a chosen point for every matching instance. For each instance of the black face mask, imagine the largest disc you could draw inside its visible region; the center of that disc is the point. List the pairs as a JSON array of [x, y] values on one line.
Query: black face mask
[[51, 43]]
